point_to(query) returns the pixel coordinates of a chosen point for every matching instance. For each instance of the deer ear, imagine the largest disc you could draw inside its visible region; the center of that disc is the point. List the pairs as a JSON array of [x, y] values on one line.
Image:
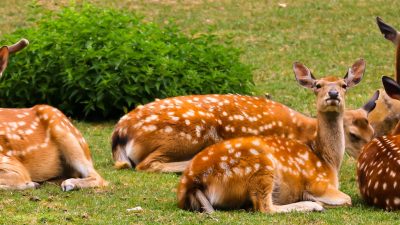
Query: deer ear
[[303, 75], [392, 88], [355, 73], [388, 31], [370, 105], [3, 59]]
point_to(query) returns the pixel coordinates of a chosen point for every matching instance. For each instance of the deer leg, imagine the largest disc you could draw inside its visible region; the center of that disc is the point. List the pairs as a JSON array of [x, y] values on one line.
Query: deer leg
[[205, 204], [260, 190], [331, 197], [158, 162], [261, 197], [75, 157], [13, 175], [304, 206]]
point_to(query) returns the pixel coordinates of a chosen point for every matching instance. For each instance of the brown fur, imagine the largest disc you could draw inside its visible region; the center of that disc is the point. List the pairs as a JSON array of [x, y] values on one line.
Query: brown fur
[[379, 164], [172, 143], [377, 172], [385, 116], [276, 174], [40, 143]]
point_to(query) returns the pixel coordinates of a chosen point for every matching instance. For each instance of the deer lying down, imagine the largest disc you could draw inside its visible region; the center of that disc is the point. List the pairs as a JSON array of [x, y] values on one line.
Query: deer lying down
[[163, 135], [40, 143], [386, 113], [378, 166], [276, 174]]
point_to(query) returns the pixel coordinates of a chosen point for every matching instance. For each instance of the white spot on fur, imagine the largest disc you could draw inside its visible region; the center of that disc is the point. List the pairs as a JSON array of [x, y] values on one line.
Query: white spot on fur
[[376, 185], [248, 170], [187, 122], [174, 118], [256, 142], [198, 131], [168, 129], [253, 151], [151, 118], [304, 155], [237, 171]]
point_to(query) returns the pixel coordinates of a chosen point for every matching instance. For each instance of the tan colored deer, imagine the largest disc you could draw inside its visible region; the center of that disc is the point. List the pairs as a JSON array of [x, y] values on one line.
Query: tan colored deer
[[40, 143], [276, 174], [378, 166], [386, 114], [163, 135]]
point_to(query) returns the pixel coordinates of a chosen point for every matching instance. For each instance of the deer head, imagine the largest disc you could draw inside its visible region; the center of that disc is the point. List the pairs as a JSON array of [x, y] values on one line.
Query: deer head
[[358, 130], [330, 91]]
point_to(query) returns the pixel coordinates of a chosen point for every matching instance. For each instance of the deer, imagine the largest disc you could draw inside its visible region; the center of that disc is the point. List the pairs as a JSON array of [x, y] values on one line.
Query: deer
[[40, 143], [273, 174], [385, 115], [164, 135], [379, 163]]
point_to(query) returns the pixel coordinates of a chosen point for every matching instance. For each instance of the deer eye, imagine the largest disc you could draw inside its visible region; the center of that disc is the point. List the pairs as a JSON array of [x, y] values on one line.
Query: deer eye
[[318, 86], [344, 86]]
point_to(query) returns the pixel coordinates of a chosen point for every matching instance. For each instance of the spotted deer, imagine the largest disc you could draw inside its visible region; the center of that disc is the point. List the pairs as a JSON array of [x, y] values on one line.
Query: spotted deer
[[276, 174], [378, 165], [40, 143], [164, 135], [385, 115]]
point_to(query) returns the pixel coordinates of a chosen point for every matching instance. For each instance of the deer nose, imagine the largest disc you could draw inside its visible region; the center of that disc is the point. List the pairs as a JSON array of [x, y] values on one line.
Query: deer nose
[[333, 94]]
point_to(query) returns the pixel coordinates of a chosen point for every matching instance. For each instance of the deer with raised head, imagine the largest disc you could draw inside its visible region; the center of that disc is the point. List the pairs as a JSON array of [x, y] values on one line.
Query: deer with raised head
[[164, 135], [276, 174], [378, 165], [39, 144], [386, 113]]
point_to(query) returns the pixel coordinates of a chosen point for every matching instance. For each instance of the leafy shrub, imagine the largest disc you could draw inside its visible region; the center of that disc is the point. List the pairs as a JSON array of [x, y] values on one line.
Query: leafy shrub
[[93, 62]]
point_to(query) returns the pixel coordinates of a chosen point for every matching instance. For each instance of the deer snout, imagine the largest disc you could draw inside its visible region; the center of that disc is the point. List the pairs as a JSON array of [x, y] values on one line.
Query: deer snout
[[333, 94]]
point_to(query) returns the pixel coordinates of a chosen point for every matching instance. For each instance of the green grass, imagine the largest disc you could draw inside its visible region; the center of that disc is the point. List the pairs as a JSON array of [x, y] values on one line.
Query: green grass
[[327, 37]]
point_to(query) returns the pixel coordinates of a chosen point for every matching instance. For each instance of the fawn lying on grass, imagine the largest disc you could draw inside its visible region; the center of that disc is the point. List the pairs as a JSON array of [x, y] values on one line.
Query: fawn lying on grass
[[275, 174], [378, 165], [40, 143], [164, 135], [386, 113]]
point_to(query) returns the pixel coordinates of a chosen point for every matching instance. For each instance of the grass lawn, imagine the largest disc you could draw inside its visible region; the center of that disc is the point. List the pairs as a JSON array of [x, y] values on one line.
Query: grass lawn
[[327, 36]]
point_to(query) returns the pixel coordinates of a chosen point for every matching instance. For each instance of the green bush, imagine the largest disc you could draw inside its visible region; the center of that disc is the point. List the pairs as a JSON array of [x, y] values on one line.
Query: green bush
[[93, 62]]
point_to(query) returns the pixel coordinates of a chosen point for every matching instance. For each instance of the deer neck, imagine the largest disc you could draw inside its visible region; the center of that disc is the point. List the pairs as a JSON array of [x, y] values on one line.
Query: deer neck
[[329, 143]]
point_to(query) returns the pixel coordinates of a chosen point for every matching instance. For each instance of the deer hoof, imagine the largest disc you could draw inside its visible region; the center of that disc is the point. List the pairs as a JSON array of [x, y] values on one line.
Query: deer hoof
[[67, 186]]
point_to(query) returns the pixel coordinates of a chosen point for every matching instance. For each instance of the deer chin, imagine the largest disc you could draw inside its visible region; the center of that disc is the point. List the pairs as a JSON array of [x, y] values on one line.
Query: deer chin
[[331, 105], [332, 102]]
